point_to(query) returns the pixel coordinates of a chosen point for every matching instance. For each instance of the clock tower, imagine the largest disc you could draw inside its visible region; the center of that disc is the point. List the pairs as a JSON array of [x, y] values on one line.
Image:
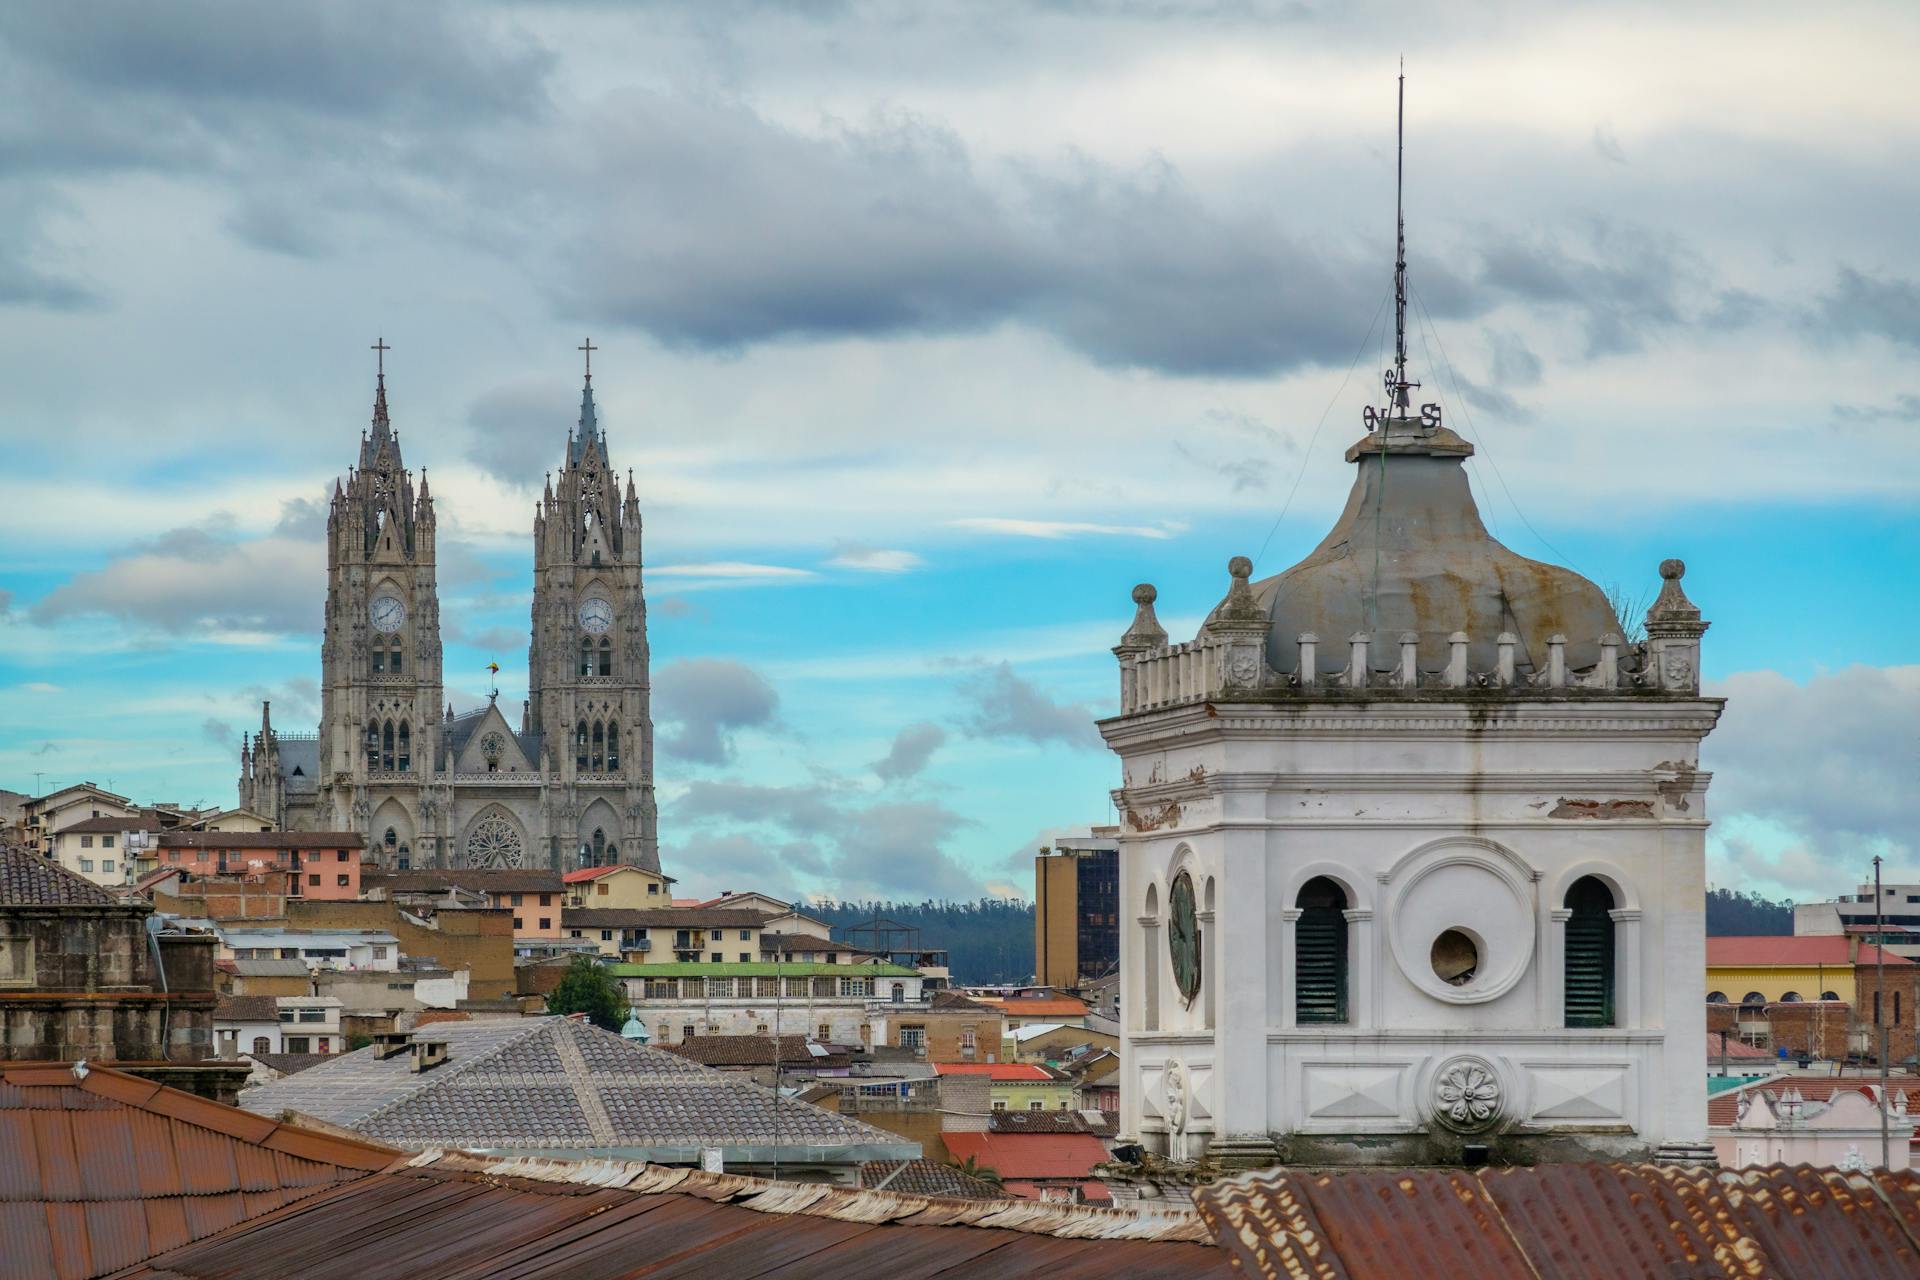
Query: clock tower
[[589, 689], [380, 648]]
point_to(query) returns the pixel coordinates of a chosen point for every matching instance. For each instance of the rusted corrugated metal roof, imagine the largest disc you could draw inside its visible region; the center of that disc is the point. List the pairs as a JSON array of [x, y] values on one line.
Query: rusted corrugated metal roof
[[1569, 1222], [99, 1169], [464, 1218]]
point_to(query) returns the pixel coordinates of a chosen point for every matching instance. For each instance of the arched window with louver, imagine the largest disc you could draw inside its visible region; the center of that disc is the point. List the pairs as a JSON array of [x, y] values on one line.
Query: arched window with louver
[[1590, 962], [1320, 953]]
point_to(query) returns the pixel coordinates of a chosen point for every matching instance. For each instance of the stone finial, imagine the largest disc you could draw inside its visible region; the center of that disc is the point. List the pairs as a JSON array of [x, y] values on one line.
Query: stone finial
[[1557, 661], [1146, 631], [1239, 611], [1457, 660], [1672, 604], [1506, 643], [1409, 659]]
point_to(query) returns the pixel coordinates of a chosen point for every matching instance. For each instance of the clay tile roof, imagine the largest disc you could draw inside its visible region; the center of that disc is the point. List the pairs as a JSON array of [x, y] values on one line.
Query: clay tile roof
[[1035, 1006], [246, 1009], [28, 879], [998, 1072], [1800, 949], [1030, 1155], [742, 1051], [430, 1016], [108, 825], [100, 1170], [262, 840], [660, 918], [927, 1178], [1102, 1124]]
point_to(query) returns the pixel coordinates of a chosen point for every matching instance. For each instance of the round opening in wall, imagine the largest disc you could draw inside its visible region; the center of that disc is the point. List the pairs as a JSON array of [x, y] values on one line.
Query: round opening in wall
[[1455, 957]]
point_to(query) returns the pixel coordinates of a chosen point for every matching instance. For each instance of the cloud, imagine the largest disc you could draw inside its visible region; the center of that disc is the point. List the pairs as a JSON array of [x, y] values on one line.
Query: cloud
[[40, 686], [734, 569], [218, 732], [1860, 304], [1002, 705], [1056, 529], [518, 432], [198, 579], [1622, 280], [709, 699], [912, 747], [892, 226], [1606, 145], [873, 559], [806, 810], [1822, 767], [1904, 407], [1512, 362]]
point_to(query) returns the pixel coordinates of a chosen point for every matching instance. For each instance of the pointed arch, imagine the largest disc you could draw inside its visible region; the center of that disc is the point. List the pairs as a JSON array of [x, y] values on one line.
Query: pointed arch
[[599, 747], [386, 745], [599, 847], [586, 656], [613, 746], [580, 747], [405, 758], [373, 744], [494, 839], [606, 656]]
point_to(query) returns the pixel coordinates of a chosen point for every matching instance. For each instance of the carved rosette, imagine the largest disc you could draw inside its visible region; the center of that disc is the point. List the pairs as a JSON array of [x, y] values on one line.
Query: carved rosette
[[1466, 1095]]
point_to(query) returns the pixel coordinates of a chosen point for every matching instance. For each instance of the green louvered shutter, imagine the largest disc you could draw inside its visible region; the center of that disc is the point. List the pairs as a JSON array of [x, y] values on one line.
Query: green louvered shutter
[[1589, 972], [1320, 965]]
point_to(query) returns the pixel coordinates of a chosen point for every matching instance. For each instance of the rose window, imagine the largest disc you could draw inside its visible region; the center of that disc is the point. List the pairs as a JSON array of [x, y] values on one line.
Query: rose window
[[494, 842]]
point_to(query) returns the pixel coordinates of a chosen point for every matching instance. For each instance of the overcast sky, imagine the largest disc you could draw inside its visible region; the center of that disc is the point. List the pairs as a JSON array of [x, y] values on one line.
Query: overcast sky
[[928, 330]]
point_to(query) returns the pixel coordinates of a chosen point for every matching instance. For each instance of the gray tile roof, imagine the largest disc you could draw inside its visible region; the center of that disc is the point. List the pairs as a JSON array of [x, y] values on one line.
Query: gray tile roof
[[553, 1084], [29, 879], [927, 1178]]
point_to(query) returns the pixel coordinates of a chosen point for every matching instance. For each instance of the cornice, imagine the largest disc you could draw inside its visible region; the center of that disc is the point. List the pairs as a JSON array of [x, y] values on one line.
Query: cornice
[[1694, 717], [1638, 782]]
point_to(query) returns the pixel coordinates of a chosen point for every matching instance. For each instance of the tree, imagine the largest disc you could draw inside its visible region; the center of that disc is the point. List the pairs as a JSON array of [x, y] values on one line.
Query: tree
[[588, 988], [974, 1169]]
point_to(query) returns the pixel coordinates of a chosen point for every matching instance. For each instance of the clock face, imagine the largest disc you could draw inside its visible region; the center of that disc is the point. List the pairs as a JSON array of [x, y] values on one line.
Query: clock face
[[596, 615], [1183, 937], [387, 614]]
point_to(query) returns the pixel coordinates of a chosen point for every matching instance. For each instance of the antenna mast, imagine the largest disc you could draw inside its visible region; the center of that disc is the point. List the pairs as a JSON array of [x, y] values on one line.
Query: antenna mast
[[1400, 251]]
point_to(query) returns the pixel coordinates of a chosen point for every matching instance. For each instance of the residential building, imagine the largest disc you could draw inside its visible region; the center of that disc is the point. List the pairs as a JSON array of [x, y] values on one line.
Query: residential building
[[829, 1003], [1015, 1086], [560, 1087], [566, 782], [1412, 844], [1027, 1006], [949, 1027], [767, 1059], [236, 820], [621, 886], [1060, 1168], [1053, 1043], [686, 934], [535, 897], [812, 948], [320, 865], [43, 817], [1076, 908], [1761, 970], [277, 1024], [318, 949], [84, 975], [104, 849], [900, 944], [476, 940], [1899, 917]]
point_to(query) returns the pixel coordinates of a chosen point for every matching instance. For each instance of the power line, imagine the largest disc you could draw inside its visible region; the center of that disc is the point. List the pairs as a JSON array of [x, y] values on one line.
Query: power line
[[1301, 474]]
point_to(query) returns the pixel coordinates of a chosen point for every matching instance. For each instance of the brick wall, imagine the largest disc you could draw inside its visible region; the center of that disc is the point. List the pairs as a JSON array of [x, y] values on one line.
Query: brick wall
[[480, 941]]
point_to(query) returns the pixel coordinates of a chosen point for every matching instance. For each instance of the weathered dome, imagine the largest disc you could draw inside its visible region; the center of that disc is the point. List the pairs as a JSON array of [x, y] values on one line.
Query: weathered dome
[[1409, 554]]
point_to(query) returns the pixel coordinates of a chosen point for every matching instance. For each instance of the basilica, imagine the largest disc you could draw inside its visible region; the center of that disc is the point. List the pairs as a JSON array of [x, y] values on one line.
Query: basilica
[[568, 781]]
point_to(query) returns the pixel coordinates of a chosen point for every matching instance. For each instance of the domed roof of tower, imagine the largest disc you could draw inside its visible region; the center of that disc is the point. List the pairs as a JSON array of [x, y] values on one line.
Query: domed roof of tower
[[1409, 554]]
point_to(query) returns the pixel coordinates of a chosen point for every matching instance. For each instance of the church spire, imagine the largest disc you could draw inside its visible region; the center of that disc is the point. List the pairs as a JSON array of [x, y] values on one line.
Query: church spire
[[588, 435], [1398, 418], [381, 427]]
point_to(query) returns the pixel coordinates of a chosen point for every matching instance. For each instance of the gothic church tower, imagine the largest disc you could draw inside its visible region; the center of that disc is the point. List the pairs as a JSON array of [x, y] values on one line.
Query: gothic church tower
[[591, 698]]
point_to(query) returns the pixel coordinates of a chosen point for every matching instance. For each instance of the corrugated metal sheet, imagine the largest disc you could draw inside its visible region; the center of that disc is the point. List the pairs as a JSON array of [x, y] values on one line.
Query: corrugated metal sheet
[[1571, 1222], [461, 1218], [99, 1170]]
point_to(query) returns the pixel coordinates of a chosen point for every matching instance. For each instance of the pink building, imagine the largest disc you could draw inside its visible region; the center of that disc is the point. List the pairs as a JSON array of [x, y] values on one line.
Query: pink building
[[319, 865]]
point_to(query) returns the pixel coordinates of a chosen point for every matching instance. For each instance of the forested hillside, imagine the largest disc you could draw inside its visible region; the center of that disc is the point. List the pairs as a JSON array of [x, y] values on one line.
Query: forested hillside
[[987, 941], [1731, 913]]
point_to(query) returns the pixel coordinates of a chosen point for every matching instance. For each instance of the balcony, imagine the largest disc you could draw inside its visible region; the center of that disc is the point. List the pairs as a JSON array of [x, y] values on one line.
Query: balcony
[[509, 779]]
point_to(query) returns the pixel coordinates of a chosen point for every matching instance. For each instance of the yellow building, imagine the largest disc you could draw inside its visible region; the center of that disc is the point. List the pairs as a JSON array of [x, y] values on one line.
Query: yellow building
[[1015, 1086], [1789, 969], [621, 888]]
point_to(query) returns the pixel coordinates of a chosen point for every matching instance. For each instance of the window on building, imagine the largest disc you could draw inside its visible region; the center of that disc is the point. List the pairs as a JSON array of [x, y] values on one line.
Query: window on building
[[601, 890], [969, 1041], [406, 735], [1320, 953], [718, 957], [379, 953], [913, 1037], [1752, 999], [686, 1031], [1829, 995], [653, 888], [826, 1033], [106, 866], [386, 745], [599, 752], [746, 935], [106, 842], [1037, 1104], [314, 880], [1876, 1008], [999, 1104], [833, 957], [312, 1015], [514, 900], [899, 993], [1789, 997], [746, 957], [86, 864], [586, 656], [580, 745], [343, 882], [262, 1045], [86, 842], [299, 1044], [662, 989], [767, 988], [373, 745], [1716, 997], [606, 656], [613, 746], [340, 856], [1590, 959], [516, 923], [546, 923], [606, 935]]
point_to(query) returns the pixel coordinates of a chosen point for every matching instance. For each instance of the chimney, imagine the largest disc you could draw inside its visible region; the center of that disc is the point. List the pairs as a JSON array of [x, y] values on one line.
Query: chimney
[[389, 1044], [427, 1054]]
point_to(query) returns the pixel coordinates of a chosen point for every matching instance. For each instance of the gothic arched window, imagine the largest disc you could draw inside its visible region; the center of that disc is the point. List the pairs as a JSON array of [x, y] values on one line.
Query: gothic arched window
[[580, 747], [1589, 962], [406, 747], [599, 746], [391, 840], [1320, 953], [613, 746], [606, 656], [586, 657], [379, 657], [599, 847], [613, 853], [404, 860], [393, 656], [373, 745], [386, 745]]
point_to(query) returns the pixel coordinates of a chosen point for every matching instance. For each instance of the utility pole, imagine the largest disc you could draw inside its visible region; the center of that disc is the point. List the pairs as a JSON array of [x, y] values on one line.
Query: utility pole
[[1879, 1002]]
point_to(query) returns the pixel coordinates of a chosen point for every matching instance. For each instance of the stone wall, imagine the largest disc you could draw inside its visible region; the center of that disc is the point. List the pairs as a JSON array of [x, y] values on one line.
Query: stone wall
[[97, 993], [477, 940]]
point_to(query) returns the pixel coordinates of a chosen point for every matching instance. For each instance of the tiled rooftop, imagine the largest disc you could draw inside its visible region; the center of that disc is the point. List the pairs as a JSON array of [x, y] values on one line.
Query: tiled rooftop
[[29, 879], [551, 1084], [926, 1178]]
